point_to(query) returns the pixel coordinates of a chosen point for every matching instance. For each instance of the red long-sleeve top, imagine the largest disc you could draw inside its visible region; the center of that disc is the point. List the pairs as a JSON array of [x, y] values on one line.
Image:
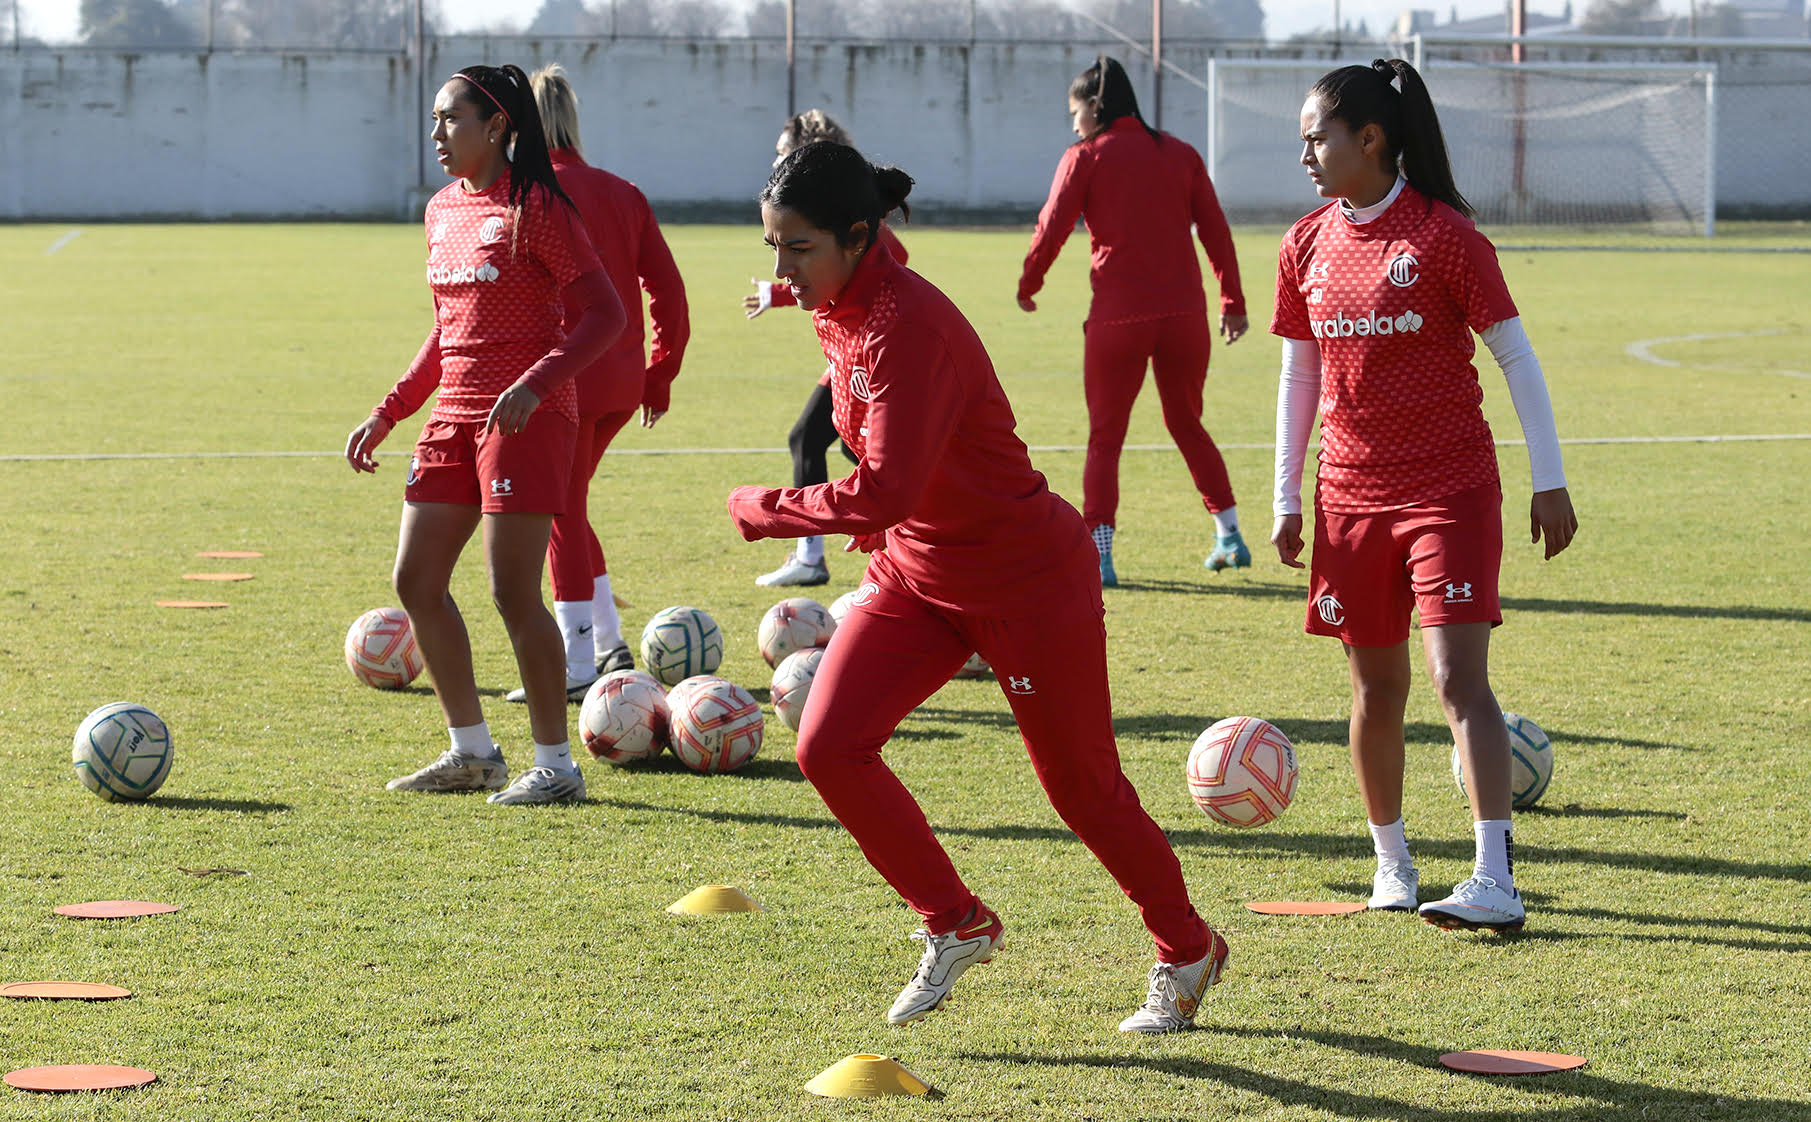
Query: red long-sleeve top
[[635, 256], [968, 523], [1137, 196]]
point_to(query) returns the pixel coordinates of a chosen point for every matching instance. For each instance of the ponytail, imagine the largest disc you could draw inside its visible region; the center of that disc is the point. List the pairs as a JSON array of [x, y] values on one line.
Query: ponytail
[[835, 188], [1108, 88], [507, 89], [559, 107], [1364, 95]]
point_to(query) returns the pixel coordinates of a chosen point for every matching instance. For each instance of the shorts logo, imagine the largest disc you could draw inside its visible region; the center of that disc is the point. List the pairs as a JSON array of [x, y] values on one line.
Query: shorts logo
[[1019, 686], [858, 385], [1403, 270], [1458, 593], [864, 594], [492, 231], [1331, 610], [414, 471], [500, 487]]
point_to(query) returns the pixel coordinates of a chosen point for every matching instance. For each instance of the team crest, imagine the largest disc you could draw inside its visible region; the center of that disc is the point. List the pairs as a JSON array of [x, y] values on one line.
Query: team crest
[[858, 385], [1404, 270], [491, 231]]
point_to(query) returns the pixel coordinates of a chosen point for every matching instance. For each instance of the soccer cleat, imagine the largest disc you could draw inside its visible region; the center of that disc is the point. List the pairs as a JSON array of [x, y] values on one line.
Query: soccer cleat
[[1230, 552], [1108, 578], [542, 785], [946, 956], [619, 657], [1394, 886], [795, 572], [1176, 991], [575, 691], [1478, 903], [456, 772]]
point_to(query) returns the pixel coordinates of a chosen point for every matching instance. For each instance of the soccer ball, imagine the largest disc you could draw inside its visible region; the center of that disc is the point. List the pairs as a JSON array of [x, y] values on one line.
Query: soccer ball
[[1241, 771], [716, 724], [792, 684], [625, 717], [975, 667], [1530, 762], [381, 650], [122, 751], [680, 643], [792, 625]]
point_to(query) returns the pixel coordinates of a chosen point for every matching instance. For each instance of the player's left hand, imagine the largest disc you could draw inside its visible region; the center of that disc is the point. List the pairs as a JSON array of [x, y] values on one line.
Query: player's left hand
[[1232, 327], [1028, 303], [866, 543], [514, 406], [1550, 515], [649, 415]]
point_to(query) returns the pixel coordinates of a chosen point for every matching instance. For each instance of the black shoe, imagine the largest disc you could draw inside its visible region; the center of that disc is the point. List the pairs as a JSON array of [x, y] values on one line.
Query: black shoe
[[620, 658]]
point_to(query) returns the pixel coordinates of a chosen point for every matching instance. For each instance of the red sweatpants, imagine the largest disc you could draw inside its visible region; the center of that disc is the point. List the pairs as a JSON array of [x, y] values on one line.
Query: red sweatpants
[[893, 650], [1114, 356], [574, 555]]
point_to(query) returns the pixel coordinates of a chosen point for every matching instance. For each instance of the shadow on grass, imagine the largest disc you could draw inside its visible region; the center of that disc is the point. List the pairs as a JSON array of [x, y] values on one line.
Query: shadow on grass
[[1612, 1100], [238, 806], [1574, 810], [785, 770], [1208, 586]]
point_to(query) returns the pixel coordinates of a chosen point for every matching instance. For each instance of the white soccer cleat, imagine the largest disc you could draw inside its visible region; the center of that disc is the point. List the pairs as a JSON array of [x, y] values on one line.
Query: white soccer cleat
[[575, 692], [1395, 887], [1478, 903], [795, 572], [542, 785], [1176, 991], [456, 772], [945, 958]]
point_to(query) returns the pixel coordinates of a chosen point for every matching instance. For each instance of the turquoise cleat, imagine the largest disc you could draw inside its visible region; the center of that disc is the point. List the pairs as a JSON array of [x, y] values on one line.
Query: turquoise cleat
[[1230, 552], [1108, 578]]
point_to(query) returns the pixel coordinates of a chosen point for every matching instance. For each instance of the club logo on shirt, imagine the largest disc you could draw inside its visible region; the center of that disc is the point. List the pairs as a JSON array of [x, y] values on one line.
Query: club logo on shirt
[[469, 274], [1331, 611], [1404, 270], [1458, 593], [1340, 327], [858, 385], [492, 230]]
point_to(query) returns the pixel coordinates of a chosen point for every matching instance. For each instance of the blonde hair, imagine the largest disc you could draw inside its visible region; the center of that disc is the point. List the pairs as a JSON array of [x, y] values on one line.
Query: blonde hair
[[559, 107], [813, 125]]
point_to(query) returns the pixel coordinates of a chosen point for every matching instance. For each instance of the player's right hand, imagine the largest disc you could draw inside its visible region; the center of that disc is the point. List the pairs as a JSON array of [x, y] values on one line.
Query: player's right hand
[[361, 446], [758, 301], [1286, 535]]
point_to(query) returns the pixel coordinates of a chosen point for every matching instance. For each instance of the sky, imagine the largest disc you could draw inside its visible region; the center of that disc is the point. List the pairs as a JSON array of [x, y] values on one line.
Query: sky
[[56, 21]]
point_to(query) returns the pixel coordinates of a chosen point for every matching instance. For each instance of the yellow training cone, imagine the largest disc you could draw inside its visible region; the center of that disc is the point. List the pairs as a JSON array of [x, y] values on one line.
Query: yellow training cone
[[712, 900], [866, 1077]]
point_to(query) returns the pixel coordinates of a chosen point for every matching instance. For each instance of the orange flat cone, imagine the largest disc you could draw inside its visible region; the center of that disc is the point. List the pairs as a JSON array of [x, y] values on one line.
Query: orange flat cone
[[114, 909], [79, 1077], [866, 1077], [65, 991], [712, 900], [1494, 1061], [1305, 907]]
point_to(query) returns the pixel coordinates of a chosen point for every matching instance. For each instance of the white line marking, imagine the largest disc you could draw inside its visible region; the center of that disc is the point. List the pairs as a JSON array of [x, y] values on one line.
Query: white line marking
[[63, 241], [1642, 349], [53, 457]]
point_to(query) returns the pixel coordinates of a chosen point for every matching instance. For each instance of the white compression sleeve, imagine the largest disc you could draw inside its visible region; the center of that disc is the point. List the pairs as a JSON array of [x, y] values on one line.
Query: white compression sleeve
[[1298, 399], [1509, 345]]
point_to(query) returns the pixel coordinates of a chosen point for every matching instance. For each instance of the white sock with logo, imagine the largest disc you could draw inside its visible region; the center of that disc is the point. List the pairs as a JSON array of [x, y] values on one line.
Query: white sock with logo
[[607, 633], [1391, 842], [1103, 539], [474, 740], [576, 626], [811, 550], [1496, 851], [1226, 522], [556, 756]]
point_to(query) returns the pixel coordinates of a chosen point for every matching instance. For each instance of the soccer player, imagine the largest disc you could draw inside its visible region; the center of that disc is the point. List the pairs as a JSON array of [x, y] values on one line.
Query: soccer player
[[1139, 190], [970, 551], [505, 252], [635, 256], [814, 432], [1378, 294]]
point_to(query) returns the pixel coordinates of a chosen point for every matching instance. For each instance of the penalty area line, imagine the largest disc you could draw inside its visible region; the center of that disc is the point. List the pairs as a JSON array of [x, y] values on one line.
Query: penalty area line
[[63, 241]]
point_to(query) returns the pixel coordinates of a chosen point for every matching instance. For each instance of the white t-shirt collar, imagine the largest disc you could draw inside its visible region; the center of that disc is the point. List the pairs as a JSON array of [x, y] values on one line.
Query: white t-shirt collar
[[1358, 216]]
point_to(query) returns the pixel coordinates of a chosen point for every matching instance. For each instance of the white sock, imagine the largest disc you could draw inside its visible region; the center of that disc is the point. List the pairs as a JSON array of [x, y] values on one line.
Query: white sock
[[556, 756], [811, 550], [473, 740], [607, 626], [576, 625], [1390, 842], [1226, 522], [1103, 539], [1496, 851]]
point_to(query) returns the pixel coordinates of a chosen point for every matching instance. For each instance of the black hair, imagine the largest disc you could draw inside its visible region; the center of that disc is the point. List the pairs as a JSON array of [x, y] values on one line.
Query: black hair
[[506, 89], [1364, 95], [834, 187], [1106, 86]]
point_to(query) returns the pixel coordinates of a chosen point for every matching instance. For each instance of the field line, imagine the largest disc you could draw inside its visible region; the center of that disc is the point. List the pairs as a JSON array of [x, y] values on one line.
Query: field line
[[63, 241], [52, 457], [1643, 350]]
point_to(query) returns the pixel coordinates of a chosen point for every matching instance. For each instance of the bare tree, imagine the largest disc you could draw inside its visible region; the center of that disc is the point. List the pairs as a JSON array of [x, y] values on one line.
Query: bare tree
[[694, 19], [135, 23]]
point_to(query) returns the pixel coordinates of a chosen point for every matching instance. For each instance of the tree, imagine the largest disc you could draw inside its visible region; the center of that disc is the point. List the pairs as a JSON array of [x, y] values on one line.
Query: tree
[[363, 24], [569, 17], [1620, 17], [694, 19], [135, 23]]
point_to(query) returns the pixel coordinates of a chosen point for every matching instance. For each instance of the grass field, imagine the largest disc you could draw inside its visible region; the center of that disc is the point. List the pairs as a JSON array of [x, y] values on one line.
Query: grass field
[[436, 958]]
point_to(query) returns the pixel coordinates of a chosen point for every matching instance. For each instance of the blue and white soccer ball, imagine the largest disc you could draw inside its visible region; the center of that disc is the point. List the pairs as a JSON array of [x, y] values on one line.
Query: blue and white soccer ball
[[122, 752], [680, 643], [1530, 761]]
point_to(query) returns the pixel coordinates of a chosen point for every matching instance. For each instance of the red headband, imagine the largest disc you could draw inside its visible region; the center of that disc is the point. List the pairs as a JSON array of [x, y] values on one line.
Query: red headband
[[492, 96]]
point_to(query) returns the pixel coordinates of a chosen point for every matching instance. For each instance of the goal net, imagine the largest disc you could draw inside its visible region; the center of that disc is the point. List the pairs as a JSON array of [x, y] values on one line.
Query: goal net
[[1537, 143]]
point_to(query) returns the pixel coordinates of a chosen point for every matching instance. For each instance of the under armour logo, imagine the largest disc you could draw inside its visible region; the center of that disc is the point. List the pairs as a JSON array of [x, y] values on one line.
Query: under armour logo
[[1458, 593], [1331, 610], [1318, 271], [1019, 685], [500, 487]]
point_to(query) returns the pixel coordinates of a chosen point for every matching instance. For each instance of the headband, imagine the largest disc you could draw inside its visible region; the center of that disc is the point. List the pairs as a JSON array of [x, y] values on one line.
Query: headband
[[492, 96]]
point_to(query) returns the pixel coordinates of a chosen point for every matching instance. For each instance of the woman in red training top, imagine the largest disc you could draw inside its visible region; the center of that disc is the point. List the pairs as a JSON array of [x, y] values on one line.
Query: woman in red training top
[[1378, 294], [505, 253], [971, 551], [814, 432], [622, 229], [1138, 190]]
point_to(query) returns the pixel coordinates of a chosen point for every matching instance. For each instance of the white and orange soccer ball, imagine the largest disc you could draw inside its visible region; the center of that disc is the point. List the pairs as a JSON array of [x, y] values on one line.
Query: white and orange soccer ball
[[716, 724], [797, 624], [792, 684], [1242, 771], [625, 717], [381, 650], [975, 667]]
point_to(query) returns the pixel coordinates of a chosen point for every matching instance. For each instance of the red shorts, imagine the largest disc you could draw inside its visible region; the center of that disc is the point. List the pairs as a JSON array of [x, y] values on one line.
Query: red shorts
[[1438, 558], [526, 473]]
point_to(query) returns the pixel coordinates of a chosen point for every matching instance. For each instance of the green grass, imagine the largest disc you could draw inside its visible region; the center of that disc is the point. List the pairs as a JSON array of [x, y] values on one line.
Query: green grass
[[389, 957]]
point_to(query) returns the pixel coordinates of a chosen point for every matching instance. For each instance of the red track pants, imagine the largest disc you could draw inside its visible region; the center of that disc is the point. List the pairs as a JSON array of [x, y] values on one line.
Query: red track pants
[[893, 650], [1114, 356], [574, 555]]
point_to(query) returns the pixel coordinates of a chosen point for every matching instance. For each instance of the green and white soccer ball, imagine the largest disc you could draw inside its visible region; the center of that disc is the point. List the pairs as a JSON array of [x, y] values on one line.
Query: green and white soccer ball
[[1530, 761], [679, 643], [122, 752]]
